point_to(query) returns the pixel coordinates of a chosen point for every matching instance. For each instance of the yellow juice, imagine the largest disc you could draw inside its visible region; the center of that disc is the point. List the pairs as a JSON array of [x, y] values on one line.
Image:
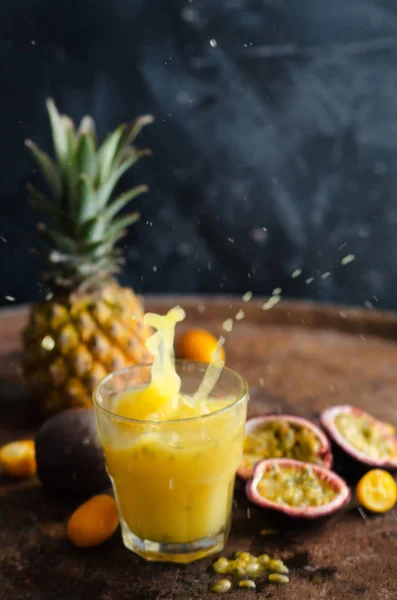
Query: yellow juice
[[173, 456]]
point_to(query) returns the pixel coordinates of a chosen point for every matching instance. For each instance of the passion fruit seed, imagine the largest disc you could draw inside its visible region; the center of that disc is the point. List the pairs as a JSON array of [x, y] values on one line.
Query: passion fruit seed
[[366, 434], [249, 565], [277, 578], [254, 569], [247, 583], [222, 586], [283, 436], [221, 566], [278, 566], [293, 487]]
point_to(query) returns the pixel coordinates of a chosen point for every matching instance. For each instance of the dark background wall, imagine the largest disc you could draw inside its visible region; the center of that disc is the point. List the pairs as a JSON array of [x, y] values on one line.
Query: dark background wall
[[275, 147]]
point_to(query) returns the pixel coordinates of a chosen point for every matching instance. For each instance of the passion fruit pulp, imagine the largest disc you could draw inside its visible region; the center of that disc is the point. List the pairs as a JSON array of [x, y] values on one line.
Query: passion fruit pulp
[[283, 436], [297, 489], [365, 441]]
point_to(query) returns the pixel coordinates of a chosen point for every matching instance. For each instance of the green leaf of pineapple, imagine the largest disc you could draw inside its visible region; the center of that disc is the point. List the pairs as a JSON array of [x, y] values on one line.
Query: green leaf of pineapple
[[107, 153], [119, 203], [105, 191], [59, 134], [122, 223], [131, 132], [57, 240], [47, 168], [87, 125], [85, 156], [86, 206]]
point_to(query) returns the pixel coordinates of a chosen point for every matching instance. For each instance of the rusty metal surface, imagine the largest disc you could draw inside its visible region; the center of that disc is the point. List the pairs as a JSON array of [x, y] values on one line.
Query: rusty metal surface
[[296, 357]]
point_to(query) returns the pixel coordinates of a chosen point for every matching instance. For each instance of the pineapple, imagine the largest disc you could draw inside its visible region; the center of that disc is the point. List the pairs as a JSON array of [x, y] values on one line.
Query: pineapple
[[88, 325]]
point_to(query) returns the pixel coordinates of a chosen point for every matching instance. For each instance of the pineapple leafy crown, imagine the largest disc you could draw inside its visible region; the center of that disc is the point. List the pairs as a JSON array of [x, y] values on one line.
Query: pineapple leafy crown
[[83, 221]]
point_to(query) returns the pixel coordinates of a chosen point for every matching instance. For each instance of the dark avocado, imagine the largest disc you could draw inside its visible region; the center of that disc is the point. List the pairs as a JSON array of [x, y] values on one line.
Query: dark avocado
[[69, 455]]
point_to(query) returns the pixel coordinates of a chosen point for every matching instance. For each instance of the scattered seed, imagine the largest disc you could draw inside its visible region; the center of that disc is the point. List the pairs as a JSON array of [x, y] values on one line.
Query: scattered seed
[[261, 381], [296, 273], [10, 298], [221, 565], [309, 280], [247, 296], [278, 566], [222, 586], [271, 302], [368, 304], [325, 275], [227, 325], [240, 315], [277, 578], [253, 569], [244, 556], [277, 291], [201, 308], [342, 246], [247, 583], [213, 43], [362, 512], [248, 513], [347, 259]]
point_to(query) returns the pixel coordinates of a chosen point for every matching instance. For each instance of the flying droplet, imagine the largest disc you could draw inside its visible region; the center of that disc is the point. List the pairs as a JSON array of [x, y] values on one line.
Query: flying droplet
[[347, 259], [227, 325], [271, 302]]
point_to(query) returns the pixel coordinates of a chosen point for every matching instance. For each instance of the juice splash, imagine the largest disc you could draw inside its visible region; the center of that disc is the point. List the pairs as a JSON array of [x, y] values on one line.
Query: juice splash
[[162, 400], [173, 463]]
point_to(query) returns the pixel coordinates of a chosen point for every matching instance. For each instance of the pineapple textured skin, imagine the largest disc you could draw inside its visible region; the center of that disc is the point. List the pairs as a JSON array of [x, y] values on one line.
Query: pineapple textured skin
[[70, 345]]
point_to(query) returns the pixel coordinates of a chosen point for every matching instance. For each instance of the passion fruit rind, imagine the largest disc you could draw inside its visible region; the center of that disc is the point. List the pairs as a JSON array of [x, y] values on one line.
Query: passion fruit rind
[[303, 440], [365, 441], [333, 492]]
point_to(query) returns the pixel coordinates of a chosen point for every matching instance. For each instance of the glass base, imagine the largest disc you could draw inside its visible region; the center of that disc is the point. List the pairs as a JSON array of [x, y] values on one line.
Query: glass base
[[175, 552]]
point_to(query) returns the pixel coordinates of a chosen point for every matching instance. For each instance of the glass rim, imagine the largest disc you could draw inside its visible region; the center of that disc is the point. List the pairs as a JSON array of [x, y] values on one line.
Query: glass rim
[[241, 397]]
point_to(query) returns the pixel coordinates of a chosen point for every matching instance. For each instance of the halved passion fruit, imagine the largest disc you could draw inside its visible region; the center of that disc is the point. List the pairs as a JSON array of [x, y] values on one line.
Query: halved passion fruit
[[366, 440], [283, 436], [297, 489]]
